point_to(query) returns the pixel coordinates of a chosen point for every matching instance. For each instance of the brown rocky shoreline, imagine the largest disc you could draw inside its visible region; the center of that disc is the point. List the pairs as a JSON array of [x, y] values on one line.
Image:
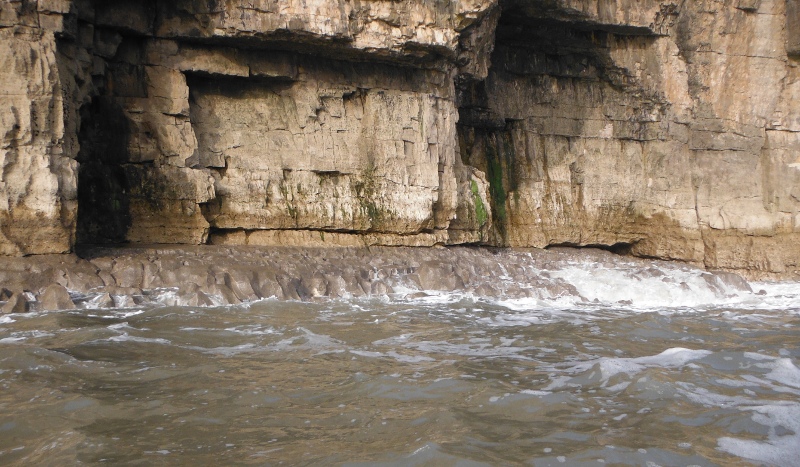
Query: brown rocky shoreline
[[109, 277], [665, 129]]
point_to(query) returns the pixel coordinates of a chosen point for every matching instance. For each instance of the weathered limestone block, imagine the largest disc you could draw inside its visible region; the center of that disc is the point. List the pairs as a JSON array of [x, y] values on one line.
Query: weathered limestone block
[[383, 27], [475, 47], [582, 162], [326, 154], [129, 16], [757, 254], [729, 196], [666, 129], [325, 239], [226, 61], [17, 303], [637, 16], [473, 218], [748, 5], [742, 79], [55, 297], [37, 180], [642, 136], [158, 116]]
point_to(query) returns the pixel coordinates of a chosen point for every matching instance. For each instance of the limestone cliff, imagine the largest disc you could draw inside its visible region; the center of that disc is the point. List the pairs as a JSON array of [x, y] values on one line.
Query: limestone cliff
[[664, 129]]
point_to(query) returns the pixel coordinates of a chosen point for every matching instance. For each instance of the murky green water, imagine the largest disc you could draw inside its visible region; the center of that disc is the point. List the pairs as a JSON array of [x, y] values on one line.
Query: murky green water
[[436, 381]]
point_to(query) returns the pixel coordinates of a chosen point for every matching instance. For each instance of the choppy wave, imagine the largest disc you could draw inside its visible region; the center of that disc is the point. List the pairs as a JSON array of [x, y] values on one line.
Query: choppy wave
[[574, 362]]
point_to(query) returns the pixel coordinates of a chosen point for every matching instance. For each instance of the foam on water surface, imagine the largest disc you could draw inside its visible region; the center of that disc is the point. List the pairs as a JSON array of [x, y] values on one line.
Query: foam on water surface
[[621, 363], [779, 449], [528, 283]]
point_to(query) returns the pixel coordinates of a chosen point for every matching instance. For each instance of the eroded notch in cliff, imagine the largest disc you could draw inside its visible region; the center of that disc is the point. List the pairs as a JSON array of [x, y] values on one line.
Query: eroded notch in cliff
[[553, 96]]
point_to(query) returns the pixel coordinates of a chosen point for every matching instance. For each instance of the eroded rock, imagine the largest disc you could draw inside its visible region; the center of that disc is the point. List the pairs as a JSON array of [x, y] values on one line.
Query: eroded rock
[[17, 303], [660, 129], [55, 297]]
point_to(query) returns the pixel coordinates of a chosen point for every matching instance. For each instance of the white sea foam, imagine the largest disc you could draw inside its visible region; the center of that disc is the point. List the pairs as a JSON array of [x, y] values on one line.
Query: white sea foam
[[625, 286], [674, 357], [253, 330], [12, 340], [780, 449], [784, 372], [612, 286], [125, 337], [600, 371]]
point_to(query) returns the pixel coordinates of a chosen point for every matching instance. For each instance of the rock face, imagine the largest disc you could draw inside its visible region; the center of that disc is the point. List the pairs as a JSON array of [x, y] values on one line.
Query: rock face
[[661, 129], [38, 179], [667, 132]]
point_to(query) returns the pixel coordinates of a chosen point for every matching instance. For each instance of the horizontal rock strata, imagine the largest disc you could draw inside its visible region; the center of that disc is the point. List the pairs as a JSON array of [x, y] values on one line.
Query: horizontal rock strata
[[660, 129]]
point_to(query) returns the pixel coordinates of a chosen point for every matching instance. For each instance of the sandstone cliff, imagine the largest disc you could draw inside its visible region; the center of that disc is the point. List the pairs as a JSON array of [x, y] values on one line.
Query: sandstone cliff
[[665, 129]]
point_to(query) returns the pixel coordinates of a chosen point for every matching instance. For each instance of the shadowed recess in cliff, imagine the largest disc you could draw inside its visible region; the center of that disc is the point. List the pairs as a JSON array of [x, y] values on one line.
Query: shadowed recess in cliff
[[554, 98], [103, 191], [525, 48]]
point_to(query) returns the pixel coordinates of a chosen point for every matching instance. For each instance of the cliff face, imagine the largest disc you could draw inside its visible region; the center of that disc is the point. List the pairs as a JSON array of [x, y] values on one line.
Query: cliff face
[[669, 132], [664, 129]]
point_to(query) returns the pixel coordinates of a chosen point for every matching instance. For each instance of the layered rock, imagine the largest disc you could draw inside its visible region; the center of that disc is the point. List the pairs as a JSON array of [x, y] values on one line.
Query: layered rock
[[661, 131], [650, 127], [245, 134], [38, 179]]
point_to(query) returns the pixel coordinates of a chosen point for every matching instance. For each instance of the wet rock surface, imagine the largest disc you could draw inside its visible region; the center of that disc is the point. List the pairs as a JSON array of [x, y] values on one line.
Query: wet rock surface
[[106, 277]]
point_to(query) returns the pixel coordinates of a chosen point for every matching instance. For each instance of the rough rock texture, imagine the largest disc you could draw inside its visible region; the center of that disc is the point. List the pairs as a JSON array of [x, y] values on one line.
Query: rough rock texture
[[228, 275], [38, 179], [657, 128], [664, 130]]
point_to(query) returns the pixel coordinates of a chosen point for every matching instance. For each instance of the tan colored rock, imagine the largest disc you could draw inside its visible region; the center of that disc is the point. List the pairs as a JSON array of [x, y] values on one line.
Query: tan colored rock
[[381, 27], [646, 144], [323, 239], [17, 303], [37, 186], [793, 27], [165, 204], [649, 127], [55, 297], [326, 158]]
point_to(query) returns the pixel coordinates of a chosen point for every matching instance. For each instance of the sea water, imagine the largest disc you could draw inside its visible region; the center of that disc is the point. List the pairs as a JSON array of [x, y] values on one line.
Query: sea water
[[657, 366]]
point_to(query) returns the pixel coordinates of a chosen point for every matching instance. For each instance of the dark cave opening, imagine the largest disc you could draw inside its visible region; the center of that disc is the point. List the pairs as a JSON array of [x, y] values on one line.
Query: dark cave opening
[[103, 191]]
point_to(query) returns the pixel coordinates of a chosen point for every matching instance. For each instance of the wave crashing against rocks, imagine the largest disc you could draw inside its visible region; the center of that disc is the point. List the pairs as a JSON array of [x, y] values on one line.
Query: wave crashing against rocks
[[212, 276]]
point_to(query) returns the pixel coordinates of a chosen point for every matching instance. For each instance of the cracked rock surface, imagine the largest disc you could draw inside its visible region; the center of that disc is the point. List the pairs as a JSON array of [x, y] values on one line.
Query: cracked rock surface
[[656, 128]]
